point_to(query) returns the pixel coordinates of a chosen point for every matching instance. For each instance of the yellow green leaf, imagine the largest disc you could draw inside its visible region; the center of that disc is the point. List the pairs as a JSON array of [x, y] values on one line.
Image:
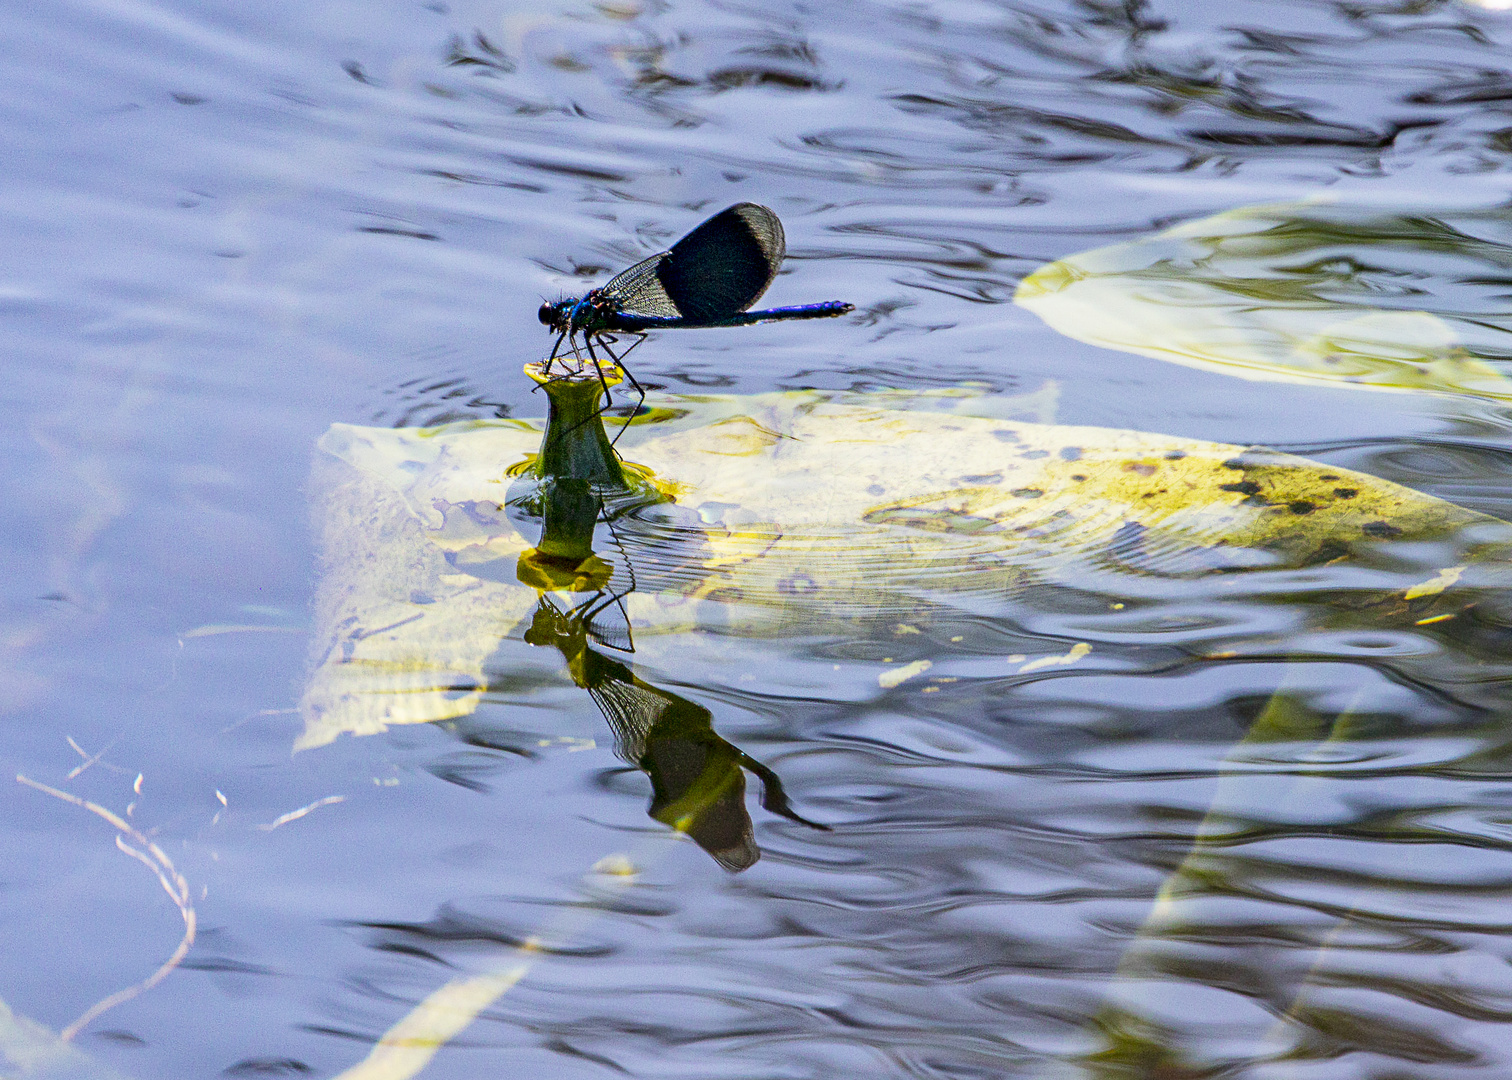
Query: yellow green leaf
[[809, 512], [1306, 292]]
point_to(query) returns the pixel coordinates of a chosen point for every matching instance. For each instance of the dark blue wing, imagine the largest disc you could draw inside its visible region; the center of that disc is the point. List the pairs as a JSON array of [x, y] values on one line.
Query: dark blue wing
[[716, 271], [723, 266]]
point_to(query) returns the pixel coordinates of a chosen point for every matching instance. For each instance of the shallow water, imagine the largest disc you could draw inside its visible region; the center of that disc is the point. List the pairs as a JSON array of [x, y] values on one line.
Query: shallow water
[[228, 229]]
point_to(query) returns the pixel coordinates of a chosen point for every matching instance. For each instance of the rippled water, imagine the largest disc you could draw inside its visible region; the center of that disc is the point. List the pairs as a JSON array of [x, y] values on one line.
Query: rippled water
[[1256, 830]]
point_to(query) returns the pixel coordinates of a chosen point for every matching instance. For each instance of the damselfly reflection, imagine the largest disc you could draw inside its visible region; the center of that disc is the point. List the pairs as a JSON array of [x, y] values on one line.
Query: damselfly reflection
[[708, 278], [697, 778]]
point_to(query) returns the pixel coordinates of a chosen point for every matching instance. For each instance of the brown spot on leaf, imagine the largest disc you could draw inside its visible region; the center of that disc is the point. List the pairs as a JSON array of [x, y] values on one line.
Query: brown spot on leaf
[[1143, 468], [1346, 493], [1382, 530], [1243, 487]]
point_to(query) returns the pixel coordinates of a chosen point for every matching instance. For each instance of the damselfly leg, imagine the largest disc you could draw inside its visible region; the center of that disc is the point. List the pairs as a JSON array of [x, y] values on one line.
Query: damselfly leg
[[555, 349], [603, 381], [589, 610], [597, 604], [619, 361]]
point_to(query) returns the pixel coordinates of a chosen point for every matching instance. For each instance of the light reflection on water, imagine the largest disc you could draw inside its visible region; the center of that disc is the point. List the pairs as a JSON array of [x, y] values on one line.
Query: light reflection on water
[[226, 232]]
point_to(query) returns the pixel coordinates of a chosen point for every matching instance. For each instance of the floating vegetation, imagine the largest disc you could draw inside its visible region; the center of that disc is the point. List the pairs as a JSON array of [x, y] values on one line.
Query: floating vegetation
[[939, 511], [1311, 292]]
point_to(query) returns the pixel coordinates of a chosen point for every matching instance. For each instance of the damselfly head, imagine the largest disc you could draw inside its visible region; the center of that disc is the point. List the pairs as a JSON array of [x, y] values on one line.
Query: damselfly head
[[555, 315]]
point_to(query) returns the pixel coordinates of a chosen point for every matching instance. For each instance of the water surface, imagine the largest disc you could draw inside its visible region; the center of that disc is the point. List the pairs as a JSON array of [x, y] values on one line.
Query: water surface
[[229, 229]]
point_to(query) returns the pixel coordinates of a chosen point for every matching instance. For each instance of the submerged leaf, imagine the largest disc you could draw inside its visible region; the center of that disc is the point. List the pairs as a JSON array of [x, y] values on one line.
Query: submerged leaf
[[1304, 292], [816, 513]]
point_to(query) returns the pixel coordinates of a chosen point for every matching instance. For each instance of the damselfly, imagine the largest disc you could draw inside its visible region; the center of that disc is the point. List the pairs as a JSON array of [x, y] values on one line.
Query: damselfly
[[708, 278]]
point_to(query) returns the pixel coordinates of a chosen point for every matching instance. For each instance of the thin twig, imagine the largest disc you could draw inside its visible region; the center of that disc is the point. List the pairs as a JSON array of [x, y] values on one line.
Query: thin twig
[[156, 860], [295, 815], [92, 759]]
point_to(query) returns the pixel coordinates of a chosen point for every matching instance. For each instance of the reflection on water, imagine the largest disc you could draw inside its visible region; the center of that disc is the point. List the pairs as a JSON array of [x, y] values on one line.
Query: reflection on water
[[697, 785], [1209, 785]]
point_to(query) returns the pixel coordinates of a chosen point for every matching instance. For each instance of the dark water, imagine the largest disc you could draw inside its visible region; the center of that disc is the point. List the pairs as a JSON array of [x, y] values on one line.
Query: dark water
[[228, 227]]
